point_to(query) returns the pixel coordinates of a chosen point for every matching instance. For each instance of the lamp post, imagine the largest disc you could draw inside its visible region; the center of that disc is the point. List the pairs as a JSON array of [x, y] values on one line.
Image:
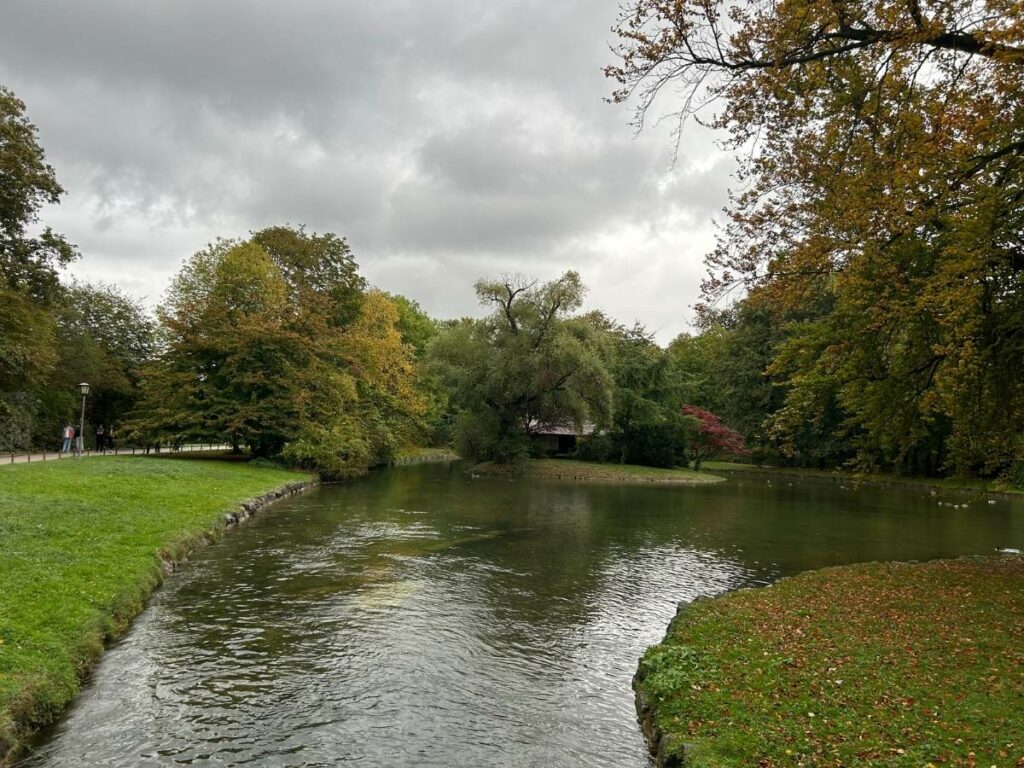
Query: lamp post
[[81, 422]]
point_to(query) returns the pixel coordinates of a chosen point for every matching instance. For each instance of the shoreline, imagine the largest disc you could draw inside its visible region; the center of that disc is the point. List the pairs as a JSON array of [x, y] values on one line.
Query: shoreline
[[708, 693], [34, 708], [937, 484], [593, 472]]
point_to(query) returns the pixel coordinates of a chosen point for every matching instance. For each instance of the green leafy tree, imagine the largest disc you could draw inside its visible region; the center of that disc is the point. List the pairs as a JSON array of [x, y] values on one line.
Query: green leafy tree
[[103, 337], [28, 264], [646, 427], [28, 273], [321, 273], [532, 362], [232, 368], [418, 329], [694, 359]]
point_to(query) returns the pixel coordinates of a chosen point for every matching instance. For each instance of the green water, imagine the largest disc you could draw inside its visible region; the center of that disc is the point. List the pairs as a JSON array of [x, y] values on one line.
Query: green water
[[423, 618]]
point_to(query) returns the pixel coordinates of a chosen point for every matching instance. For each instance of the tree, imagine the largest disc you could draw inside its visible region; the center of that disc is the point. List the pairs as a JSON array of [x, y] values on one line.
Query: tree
[[881, 150], [708, 436], [282, 352], [320, 271], [530, 363], [694, 359], [103, 337], [27, 264], [232, 369], [28, 273], [646, 427], [418, 329]]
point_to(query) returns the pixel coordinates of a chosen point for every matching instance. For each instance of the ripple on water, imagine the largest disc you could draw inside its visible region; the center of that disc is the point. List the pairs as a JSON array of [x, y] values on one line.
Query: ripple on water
[[416, 619]]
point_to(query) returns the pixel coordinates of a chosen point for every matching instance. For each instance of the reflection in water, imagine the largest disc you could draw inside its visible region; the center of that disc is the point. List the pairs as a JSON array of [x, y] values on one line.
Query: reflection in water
[[422, 618]]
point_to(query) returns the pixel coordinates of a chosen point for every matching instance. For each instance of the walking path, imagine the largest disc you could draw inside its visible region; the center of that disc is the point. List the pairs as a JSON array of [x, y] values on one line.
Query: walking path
[[25, 458]]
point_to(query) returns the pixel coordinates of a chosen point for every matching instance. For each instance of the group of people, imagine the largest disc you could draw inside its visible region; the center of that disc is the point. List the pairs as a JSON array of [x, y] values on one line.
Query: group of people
[[73, 441]]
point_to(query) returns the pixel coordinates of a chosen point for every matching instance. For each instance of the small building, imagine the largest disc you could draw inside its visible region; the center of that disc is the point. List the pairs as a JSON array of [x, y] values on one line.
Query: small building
[[559, 439]]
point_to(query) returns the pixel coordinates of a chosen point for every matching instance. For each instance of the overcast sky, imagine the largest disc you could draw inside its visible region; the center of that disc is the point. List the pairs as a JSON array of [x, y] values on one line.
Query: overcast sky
[[446, 140]]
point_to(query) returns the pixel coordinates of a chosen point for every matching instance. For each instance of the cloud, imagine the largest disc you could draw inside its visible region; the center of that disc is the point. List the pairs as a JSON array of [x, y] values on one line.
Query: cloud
[[446, 141]]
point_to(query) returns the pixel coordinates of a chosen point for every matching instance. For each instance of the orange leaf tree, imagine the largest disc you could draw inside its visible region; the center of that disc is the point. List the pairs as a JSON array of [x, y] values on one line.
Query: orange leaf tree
[[881, 166]]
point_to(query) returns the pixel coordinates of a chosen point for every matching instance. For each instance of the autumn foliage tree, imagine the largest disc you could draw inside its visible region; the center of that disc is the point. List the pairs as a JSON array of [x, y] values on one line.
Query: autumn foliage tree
[[707, 436], [881, 175], [274, 343]]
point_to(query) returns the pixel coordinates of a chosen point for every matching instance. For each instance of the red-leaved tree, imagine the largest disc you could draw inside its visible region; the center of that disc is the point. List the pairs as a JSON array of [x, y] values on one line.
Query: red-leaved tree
[[709, 436]]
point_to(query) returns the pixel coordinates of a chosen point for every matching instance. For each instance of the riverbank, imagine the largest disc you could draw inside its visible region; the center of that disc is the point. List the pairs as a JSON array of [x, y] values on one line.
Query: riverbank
[[586, 471], [938, 484], [424, 456], [83, 546], [878, 664]]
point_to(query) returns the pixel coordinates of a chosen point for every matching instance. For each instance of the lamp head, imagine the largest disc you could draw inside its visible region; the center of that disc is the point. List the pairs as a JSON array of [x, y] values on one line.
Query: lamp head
[[84, 387]]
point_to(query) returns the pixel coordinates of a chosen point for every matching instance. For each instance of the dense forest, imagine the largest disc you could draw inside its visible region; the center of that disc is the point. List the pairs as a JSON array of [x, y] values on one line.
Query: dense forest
[[863, 308]]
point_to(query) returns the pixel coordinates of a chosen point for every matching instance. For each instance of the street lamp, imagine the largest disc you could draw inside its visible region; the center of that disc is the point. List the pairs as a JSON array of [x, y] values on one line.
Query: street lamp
[[84, 386]]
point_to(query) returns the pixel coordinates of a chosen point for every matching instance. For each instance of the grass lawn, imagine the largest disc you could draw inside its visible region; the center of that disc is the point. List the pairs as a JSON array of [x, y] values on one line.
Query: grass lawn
[[869, 665], [79, 545], [565, 469], [417, 455]]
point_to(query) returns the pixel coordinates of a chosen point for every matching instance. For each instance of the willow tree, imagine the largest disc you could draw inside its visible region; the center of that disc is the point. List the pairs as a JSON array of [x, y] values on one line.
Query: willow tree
[[532, 362], [881, 161]]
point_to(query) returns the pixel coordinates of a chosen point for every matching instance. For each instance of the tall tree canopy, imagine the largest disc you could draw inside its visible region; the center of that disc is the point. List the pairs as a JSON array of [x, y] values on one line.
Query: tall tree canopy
[[881, 149], [29, 283], [532, 362], [275, 344], [28, 261]]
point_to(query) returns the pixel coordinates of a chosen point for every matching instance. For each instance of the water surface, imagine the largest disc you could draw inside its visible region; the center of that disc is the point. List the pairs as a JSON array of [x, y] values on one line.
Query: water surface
[[423, 618]]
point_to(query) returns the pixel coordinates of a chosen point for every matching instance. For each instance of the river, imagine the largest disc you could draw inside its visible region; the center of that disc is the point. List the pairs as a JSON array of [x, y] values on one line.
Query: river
[[420, 617]]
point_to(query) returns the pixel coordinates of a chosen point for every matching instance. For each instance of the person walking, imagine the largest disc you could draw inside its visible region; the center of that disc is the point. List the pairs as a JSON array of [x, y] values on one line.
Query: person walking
[[76, 442], [69, 435], [101, 439]]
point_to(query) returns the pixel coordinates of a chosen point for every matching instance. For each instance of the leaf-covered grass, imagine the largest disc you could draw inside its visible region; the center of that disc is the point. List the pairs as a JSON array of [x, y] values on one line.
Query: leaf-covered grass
[[79, 547], [978, 485], [566, 469], [870, 665]]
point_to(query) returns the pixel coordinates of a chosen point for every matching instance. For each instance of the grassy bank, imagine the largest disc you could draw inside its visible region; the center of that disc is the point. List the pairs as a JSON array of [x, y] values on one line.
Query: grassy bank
[[951, 484], [425, 455], [868, 665], [565, 469], [79, 547]]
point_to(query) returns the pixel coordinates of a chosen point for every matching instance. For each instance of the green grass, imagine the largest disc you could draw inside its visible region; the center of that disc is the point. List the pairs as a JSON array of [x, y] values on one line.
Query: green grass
[[868, 665], [417, 455], [79, 547], [565, 469], [940, 483]]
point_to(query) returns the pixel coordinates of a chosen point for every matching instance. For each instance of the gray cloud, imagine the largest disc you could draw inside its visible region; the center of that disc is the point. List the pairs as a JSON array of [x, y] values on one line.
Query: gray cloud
[[446, 140]]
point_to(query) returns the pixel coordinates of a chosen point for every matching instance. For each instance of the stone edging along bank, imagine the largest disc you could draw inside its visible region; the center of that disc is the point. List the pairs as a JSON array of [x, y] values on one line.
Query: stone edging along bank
[[666, 753], [25, 726], [245, 510]]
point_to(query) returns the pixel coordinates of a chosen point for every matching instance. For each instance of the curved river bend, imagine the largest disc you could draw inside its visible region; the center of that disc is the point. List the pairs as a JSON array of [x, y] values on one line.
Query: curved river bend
[[422, 618]]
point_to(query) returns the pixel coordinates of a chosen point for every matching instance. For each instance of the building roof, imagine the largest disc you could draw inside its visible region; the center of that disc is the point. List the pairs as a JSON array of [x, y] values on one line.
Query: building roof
[[562, 429]]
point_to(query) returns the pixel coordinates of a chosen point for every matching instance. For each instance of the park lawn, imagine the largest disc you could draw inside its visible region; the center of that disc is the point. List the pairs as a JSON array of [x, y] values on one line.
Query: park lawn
[[80, 543], [413, 455], [868, 665], [567, 469]]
